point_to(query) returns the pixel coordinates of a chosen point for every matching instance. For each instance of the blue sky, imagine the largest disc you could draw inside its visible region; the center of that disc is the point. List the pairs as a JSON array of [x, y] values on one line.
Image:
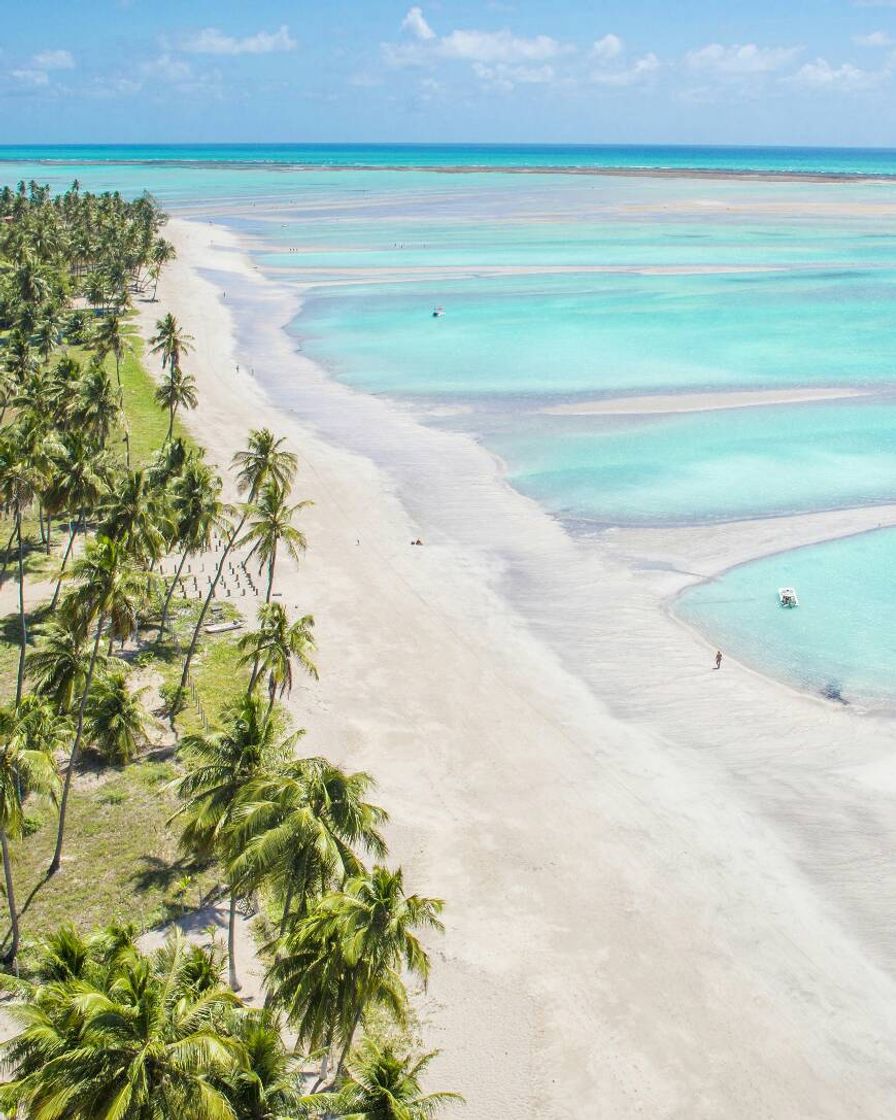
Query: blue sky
[[677, 71]]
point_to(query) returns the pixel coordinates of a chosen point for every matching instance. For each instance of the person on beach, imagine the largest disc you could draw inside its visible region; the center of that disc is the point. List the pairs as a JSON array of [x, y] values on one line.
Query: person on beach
[[718, 659]]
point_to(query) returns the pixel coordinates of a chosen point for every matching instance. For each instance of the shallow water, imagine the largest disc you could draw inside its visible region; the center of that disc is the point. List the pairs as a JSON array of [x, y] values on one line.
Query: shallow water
[[840, 641], [564, 288]]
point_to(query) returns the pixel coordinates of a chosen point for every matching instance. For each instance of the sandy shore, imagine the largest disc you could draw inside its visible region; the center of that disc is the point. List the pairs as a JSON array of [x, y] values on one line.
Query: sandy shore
[[697, 402], [670, 891]]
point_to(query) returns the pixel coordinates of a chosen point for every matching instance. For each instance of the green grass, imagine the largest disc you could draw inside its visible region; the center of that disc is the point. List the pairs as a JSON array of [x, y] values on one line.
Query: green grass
[[147, 422], [120, 861]]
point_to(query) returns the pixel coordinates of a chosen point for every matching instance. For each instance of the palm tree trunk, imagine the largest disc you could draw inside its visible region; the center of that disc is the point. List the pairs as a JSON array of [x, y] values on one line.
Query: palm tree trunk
[[324, 1065], [287, 902], [63, 804], [20, 677], [272, 689], [74, 528], [10, 899], [170, 422], [348, 1045], [271, 564], [231, 945], [178, 697], [12, 537], [170, 594], [49, 525]]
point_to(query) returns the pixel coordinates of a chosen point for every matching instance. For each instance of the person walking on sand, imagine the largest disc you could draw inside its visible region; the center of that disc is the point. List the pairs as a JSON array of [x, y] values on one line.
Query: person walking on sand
[[718, 659]]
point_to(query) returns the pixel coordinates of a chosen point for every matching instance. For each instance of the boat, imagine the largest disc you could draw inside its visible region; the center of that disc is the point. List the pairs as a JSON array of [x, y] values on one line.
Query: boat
[[438, 312], [787, 597]]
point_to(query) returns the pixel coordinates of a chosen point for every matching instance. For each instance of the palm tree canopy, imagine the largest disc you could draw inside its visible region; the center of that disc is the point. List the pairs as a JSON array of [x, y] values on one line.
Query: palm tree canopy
[[28, 737], [272, 525], [264, 460], [219, 765], [170, 341], [116, 717], [110, 586], [57, 669], [131, 1036], [383, 1083], [277, 642]]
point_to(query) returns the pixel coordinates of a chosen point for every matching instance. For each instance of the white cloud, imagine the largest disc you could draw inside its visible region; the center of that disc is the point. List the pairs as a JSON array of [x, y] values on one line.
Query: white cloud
[[874, 39], [30, 77], [739, 60], [168, 68], [53, 60], [821, 75], [415, 23], [212, 41], [608, 47], [640, 70], [499, 46], [504, 77]]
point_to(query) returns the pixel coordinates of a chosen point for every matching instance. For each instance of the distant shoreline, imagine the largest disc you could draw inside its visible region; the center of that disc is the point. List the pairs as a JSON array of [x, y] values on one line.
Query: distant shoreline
[[708, 173]]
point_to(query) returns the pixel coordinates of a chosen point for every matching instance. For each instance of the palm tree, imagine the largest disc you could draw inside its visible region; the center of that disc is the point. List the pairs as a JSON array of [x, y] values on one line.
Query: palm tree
[[117, 719], [219, 764], [272, 524], [298, 829], [272, 647], [95, 410], [110, 593], [267, 1086], [198, 512], [110, 338], [80, 480], [28, 734], [383, 1083], [170, 341], [142, 1037], [264, 460], [58, 668], [137, 515], [346, 956], [19, 479], [178, 389]]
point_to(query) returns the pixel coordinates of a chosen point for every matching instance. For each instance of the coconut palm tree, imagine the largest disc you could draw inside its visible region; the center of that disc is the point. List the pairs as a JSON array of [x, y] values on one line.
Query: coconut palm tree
[[29, 732], [264, 460], [95, 410], [138, 1038], [110, 593], [219, 764], [110, 338], [80, 479], [116, 717], [273, 646], [271, 526], [299, 830], [58, 668], [138, 516], [170, 341], [383, 1083], [177, 390], [197, 512], [267, 1087], [346, 957], [19, 480]]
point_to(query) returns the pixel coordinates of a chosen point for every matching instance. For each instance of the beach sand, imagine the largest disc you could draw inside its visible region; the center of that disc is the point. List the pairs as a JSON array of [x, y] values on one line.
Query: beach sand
[[670, 891]]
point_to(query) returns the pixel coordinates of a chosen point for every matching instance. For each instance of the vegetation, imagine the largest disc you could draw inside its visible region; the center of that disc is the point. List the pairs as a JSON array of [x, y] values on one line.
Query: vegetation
[[105, 820]]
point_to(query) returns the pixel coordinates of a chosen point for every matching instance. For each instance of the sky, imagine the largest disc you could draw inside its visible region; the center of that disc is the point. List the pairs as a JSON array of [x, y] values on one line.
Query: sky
[[816, 72]]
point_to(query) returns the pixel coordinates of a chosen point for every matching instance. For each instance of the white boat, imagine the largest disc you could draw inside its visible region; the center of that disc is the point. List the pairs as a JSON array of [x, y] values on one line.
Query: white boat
[[787, 597], [438, 312]]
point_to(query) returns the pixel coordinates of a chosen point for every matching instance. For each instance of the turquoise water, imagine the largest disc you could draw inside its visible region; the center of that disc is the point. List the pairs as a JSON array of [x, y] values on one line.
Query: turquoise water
[[841, 640], [567, 288]]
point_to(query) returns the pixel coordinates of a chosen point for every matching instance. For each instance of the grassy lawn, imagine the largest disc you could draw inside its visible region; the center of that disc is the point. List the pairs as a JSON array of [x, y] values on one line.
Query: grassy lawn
[[120, 861]]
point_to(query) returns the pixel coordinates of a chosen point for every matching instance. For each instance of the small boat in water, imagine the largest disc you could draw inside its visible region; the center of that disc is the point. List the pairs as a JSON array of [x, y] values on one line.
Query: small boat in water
[[438, 312], [787, 597]]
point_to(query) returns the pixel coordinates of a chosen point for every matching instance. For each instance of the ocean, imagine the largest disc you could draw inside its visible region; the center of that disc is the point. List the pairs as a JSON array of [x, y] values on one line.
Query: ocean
[[561, 291]]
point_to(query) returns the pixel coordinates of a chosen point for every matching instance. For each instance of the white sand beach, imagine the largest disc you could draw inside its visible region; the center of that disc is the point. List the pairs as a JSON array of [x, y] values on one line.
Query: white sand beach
[[670, 891]]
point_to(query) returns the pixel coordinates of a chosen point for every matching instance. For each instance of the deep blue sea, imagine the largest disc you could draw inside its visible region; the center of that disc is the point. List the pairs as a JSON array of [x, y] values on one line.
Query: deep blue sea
[[564, 289]]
